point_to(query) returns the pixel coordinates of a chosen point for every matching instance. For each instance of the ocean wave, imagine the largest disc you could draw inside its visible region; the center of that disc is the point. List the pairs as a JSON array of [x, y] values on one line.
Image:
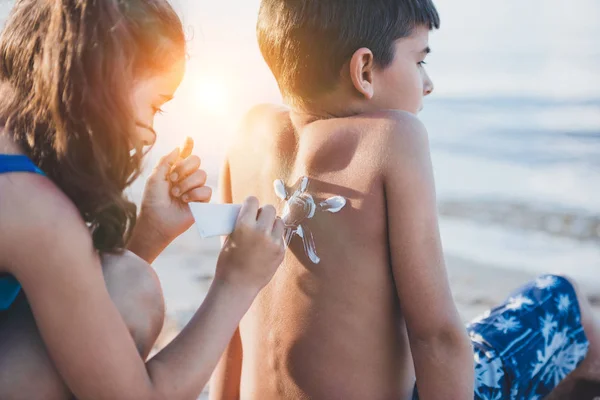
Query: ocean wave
[[556, 221]]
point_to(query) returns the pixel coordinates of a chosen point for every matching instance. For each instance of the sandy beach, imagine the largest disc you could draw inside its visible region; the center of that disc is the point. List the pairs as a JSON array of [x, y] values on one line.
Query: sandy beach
[[186, 270]]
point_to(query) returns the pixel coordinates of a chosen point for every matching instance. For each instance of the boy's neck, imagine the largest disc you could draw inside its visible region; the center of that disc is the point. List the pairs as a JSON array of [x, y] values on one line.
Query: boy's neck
[[328, 106]]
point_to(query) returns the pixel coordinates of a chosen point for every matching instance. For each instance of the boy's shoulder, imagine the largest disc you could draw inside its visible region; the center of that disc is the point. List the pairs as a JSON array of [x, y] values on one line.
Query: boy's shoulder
[[266, 129], [267, 109], [397, 139], [392, 125], [404, 150], [392, 134], [265, 119]]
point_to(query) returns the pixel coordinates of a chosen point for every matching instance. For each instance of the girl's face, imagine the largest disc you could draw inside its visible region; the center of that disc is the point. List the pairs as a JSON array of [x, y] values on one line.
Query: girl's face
[[149, 95]]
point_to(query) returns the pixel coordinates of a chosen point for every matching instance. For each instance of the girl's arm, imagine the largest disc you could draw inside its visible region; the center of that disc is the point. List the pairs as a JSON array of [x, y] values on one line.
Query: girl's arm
[[48, 248]]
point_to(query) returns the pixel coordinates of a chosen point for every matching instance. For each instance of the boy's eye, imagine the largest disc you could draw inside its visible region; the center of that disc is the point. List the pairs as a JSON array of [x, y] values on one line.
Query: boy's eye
[[157, 110], [421, 63]]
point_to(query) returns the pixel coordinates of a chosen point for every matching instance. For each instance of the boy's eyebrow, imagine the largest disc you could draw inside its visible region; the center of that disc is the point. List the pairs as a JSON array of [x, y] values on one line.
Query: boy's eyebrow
[[426, 50], [166, 97]]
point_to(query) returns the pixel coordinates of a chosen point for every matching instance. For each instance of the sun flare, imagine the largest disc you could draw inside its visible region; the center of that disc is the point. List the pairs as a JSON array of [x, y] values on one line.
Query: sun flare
[[212, 96]]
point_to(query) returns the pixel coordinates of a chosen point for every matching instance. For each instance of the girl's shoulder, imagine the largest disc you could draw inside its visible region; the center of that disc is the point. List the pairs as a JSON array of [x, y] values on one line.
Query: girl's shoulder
[[33, 212], [25, 194]]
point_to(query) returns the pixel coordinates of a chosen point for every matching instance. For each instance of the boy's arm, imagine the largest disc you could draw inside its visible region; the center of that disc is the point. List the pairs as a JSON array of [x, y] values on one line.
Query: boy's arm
[[225, 381], [439, 343]]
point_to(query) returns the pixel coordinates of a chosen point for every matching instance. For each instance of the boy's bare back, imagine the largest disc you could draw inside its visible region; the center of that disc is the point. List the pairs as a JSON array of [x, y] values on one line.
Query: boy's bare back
[[335, 329]]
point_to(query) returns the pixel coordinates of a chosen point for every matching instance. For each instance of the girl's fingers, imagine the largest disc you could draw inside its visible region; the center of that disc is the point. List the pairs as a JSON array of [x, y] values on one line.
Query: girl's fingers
[[187, 148], [184, 168], [249, 211], [198, 195], [266, 219], [165, 164], [278, 229], [194, 181]]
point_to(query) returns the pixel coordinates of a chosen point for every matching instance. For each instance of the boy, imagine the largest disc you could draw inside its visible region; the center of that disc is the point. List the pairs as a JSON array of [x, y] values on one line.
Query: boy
[[361, 307]]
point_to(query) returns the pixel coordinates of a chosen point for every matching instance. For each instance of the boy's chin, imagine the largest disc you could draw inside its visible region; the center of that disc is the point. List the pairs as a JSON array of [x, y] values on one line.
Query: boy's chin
[[396, 107], [413, 111]]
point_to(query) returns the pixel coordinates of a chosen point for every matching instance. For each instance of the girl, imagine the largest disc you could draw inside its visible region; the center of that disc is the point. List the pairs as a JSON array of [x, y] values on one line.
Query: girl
[[80, 307]]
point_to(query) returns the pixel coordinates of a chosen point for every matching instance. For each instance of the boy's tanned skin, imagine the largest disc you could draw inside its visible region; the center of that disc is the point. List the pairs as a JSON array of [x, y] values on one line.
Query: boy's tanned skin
[[377, 311]]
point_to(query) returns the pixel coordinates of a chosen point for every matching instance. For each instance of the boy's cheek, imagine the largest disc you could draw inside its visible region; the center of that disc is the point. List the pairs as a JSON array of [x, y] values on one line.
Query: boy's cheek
[[400, 87]]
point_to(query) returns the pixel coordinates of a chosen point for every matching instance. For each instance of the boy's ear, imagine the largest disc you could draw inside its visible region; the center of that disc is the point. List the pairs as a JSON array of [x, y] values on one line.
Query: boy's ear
[[362, 65]]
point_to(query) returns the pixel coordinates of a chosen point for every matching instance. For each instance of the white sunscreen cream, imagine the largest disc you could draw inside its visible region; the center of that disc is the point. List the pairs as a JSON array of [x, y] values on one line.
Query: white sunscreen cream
[[300, 207], [215, 219]]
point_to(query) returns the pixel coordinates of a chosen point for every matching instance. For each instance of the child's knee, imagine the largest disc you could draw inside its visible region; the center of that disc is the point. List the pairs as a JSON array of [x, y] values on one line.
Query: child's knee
[[135, 290]]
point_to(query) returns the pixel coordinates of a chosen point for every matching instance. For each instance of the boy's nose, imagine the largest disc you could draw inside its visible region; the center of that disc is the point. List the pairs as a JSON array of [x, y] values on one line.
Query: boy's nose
[[427, 86]]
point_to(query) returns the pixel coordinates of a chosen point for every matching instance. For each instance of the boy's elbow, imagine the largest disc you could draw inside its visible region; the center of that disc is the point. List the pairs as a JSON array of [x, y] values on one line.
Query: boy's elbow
[[450, 338], [444, 362]]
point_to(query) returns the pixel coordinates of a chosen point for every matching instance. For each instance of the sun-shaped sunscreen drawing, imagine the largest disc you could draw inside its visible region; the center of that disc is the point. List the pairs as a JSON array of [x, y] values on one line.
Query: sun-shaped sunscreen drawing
[[299, 208]]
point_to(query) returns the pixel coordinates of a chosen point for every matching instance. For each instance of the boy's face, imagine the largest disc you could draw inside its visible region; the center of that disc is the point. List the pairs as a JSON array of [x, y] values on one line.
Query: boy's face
[[403, 84]]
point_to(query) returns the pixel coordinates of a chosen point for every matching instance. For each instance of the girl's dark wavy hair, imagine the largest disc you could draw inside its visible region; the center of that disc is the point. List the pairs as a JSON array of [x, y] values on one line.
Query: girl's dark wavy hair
[[67, 70]]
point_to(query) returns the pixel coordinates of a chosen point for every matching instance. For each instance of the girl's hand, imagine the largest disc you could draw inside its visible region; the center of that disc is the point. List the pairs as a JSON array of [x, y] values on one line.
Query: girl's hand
[[255, 249], [176, 181]]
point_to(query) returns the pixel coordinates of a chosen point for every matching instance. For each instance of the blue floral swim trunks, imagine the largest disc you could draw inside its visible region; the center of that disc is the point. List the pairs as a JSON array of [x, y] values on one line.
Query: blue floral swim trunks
[[525, 347]]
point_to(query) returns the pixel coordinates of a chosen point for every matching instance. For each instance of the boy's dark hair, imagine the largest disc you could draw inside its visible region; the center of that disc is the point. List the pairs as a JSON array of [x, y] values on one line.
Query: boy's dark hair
[[307, 42], [67, 70]]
